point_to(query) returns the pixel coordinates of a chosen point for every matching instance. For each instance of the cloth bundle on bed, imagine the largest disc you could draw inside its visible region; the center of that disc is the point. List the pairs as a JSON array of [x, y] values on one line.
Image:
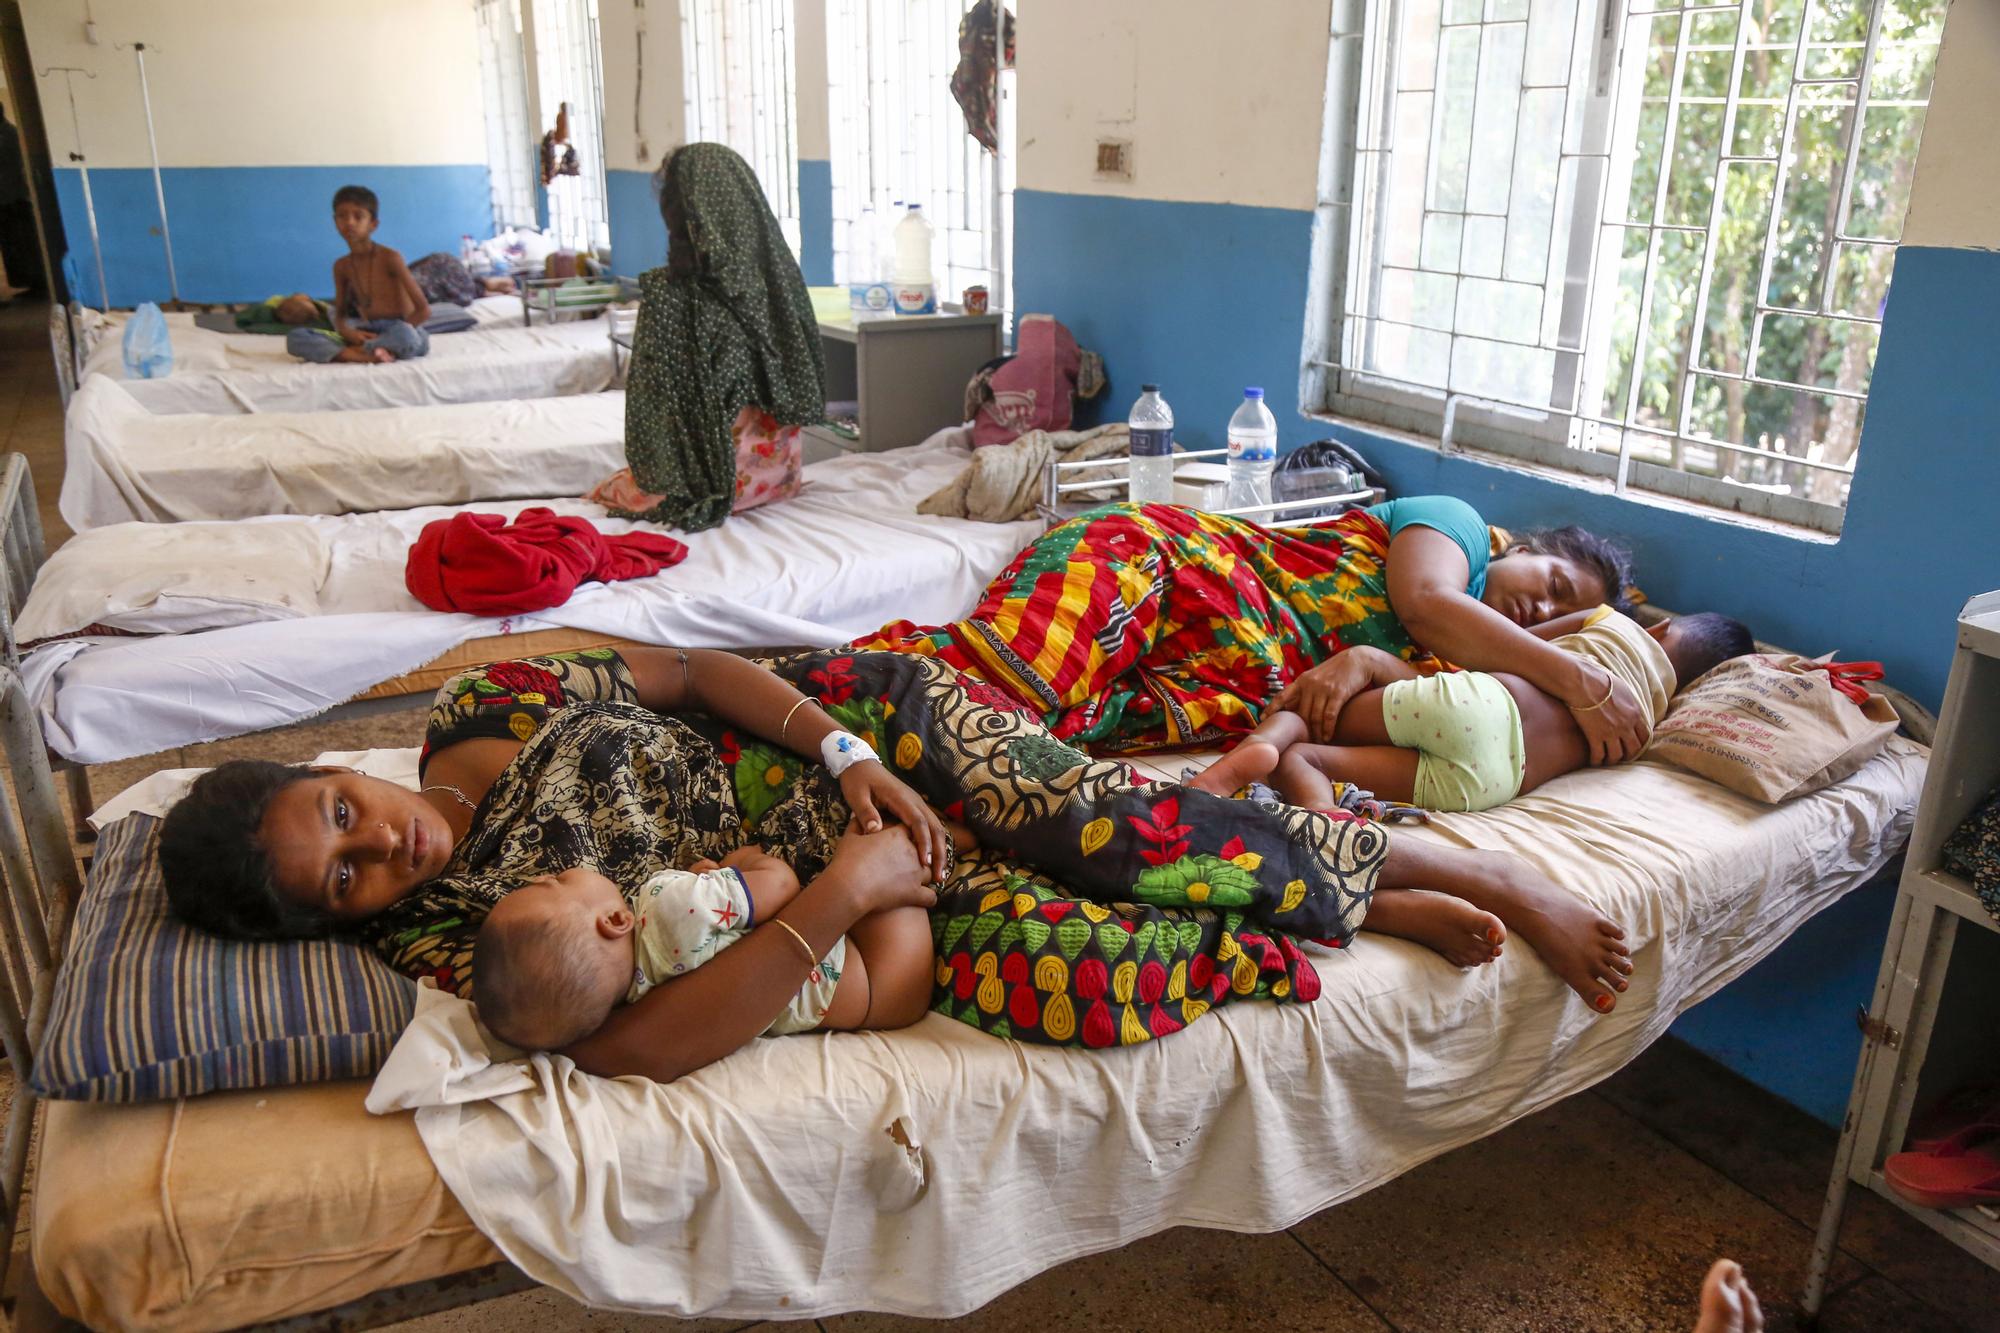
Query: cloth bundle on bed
[[484, 564], [124, 463]]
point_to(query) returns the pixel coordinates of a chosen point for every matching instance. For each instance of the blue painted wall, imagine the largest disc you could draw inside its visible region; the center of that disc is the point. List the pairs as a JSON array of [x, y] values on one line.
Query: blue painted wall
[[639, 238], [1203, 299], [242, 233], [1206, 298], [816, 221]]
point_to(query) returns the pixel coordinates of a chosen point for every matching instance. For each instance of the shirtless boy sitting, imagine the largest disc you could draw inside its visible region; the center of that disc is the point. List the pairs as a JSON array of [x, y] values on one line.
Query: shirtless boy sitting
[[378, 309], [1471, 740]]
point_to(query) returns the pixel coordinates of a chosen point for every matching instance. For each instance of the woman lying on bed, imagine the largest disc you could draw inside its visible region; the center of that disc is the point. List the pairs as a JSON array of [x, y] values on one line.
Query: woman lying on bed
[[1138, 627], [648, 761]]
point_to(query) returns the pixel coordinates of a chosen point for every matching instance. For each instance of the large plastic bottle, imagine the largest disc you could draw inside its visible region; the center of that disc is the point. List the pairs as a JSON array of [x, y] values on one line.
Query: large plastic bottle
[[867, 283], [1253, 452], [915, 287], [1152, 425]]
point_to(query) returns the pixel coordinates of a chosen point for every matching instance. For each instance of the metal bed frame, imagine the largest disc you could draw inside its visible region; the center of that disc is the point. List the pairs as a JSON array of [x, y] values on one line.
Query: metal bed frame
[[41, 883]]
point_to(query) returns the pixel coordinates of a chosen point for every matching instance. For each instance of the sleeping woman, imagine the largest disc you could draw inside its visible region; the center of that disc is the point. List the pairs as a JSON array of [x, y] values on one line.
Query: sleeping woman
[[1096, 911], [1138, 627]]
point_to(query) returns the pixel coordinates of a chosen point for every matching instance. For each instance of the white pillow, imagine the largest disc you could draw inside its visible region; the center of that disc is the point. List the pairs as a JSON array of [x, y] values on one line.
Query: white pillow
[[170, 578]]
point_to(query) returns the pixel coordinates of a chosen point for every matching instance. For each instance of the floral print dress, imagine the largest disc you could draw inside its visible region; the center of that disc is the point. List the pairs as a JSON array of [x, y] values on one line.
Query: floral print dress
[[1097, 910]]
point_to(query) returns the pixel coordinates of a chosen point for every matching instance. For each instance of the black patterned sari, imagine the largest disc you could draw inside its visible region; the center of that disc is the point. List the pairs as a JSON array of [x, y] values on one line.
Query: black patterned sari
[[1099, 910]]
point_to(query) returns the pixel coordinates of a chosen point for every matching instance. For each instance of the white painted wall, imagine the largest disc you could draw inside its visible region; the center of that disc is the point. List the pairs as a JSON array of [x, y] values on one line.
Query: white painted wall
[[656, 82], [267, 82], [1222, 103], [1955, 199]]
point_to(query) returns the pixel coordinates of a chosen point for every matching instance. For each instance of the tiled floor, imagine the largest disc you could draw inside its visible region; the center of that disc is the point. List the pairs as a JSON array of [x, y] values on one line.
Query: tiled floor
[[1601, 1213]]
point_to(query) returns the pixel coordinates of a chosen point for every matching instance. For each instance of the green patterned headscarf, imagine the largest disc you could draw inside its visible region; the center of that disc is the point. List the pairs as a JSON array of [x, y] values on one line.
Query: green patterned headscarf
[[729, 326]]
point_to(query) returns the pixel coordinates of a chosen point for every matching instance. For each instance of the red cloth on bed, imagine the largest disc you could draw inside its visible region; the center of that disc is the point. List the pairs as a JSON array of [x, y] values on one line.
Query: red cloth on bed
[[482, 564]]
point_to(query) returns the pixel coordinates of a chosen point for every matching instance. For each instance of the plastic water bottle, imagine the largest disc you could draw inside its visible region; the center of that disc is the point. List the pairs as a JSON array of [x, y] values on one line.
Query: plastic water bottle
[[916, 289], [1152, 423], [1253, 452], [867, 283]]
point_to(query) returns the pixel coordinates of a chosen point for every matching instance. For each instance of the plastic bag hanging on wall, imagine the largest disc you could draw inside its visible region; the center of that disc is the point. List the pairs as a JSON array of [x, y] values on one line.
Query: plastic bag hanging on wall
[[974, 82]]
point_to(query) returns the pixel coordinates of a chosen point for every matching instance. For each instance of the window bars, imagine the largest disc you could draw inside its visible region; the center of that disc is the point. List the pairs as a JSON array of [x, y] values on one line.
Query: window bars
[[510, 148], [569, 73], [741, 63], [898, 136], [1646, 240]]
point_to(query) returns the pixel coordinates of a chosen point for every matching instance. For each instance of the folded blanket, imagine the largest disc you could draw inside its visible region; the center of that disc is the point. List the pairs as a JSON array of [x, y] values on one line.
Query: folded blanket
[[1004, 481], [481, 564]]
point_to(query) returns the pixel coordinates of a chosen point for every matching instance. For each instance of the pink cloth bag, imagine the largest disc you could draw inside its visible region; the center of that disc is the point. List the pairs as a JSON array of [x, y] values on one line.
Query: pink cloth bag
[[1036, 389]]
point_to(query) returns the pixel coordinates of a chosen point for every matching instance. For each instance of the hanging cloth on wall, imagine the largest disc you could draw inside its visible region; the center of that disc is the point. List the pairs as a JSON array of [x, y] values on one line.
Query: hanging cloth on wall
[[726, 324], [558, 156], [973, 81]]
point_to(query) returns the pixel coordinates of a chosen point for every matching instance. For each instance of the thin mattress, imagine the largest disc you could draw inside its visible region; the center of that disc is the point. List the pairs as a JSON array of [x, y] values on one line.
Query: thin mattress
[[124, 464], [476, 366], [797, 1199], [262, 622]]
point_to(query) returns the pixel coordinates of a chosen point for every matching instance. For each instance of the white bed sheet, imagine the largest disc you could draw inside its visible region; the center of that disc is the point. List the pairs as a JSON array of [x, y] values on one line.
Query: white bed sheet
[[770, 1185], [477, 366], [197, 350], [122, 463], [846, 556]]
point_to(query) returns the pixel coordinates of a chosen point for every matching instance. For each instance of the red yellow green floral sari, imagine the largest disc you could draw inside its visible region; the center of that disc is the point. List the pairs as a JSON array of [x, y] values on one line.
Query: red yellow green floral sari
[[1140, 627]]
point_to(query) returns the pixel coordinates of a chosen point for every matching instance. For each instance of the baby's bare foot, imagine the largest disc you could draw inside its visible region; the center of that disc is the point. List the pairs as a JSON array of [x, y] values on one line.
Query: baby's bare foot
[[383, 356], [1728, 1305], [1251, 761], [1465, 935], [1579, 943]]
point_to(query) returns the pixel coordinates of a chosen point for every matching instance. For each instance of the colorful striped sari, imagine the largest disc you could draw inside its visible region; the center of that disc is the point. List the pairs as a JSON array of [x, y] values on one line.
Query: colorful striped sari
[[1137, 627]]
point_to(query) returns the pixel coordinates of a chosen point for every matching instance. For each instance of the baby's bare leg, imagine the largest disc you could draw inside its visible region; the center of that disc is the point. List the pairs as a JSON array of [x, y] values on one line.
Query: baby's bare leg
[[1307, 773], [893, 951], [1255, 756]]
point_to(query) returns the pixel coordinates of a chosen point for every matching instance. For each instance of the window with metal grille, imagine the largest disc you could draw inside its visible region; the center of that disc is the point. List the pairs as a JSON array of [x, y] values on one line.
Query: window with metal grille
[[1649, 240], [741, 67], [569, 75], [510, 148], [898, 136]]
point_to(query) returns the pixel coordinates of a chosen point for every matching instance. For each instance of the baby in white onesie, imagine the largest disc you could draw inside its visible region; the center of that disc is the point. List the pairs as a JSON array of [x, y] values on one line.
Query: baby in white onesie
[[556, 955]]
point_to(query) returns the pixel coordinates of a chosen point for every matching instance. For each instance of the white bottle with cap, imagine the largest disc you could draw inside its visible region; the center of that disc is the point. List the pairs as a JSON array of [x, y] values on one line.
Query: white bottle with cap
[[1253, 453], [1152, 427], [915, 288]]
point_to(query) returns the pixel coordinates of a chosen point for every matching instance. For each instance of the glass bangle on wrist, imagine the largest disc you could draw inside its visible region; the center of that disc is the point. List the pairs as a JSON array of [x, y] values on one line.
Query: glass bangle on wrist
[[842, 750]]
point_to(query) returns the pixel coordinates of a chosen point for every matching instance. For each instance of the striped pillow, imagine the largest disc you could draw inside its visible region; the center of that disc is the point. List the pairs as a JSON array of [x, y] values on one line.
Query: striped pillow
[[146, 1008]]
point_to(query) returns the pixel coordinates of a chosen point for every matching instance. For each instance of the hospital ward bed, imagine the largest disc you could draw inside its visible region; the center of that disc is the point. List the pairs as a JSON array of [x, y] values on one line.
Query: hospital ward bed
[[219, 373], [259, 622], [122, 463], [926, 1171]]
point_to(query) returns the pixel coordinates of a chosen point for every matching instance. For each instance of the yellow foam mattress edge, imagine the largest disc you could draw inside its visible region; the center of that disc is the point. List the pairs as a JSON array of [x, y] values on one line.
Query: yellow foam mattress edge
[[238, 1207]]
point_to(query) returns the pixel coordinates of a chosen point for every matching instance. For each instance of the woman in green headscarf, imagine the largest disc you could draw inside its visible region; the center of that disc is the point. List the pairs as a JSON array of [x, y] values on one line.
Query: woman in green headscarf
[[725, 329]]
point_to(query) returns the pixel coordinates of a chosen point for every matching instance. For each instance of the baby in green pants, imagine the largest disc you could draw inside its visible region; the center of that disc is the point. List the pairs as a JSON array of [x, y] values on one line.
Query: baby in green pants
[[1471, 740]]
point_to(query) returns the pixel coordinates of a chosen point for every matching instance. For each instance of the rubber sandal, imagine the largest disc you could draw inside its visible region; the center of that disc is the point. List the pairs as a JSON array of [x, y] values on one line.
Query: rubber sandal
[[1956, 1174], [1967, 1105]]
